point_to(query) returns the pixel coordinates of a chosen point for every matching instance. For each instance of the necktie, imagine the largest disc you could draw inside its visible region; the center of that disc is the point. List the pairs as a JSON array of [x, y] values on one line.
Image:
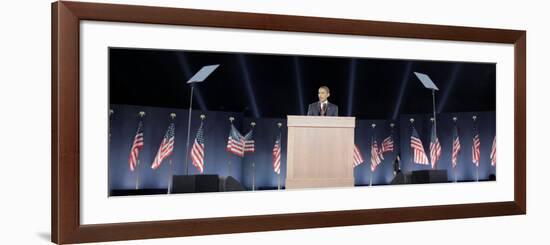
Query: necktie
[[323, 109]]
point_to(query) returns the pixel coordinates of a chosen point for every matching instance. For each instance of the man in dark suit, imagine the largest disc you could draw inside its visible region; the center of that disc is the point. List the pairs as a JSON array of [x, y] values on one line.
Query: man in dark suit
[[323, 107]]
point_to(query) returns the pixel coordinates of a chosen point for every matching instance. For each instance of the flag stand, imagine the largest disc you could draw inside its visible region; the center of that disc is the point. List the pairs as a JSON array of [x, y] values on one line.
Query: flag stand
[[170, 175], [137, 175], [370, 179], [455, 174], [188, 132], [253, 177], [279, 180]]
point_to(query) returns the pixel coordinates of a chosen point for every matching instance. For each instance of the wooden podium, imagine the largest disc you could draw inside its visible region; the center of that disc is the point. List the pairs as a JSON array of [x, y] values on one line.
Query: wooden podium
[[319, 152]]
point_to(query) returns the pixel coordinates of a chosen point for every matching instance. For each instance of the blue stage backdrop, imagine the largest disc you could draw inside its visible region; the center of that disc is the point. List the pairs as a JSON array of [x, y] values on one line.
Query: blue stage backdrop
[[123, 125]]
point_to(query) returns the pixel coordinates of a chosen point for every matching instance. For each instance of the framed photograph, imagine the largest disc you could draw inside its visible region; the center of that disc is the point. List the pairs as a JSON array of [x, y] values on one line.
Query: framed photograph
[[174, 122]]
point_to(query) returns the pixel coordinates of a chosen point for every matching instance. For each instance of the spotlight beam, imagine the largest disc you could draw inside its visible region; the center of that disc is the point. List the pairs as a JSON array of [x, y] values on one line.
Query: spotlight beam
[[248, 83], [351, 83], [452, 79], [298, 73], [402, 90]]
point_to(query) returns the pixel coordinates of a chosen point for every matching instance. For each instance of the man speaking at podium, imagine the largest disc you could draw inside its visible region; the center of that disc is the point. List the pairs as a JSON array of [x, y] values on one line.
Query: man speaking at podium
[[323, 107]]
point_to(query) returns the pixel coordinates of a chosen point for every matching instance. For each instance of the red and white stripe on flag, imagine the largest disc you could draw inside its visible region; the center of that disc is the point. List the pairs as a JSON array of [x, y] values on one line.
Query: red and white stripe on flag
[[197, 151], [475, 150], [166, 147], [165, 150], [419, 155], [456, 150], [357, 156], [137, 145], [235, 146], [435, 152], [375, 159], [197, 156], [387, 144], [277, 157]]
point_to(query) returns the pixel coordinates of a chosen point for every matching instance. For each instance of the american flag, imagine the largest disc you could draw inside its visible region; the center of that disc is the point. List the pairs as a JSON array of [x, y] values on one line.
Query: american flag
[[419, 155], [475, 148], [357, 156], [137, 145], [235, 142], [456, 147], [387, 144], [249, 142], [374, 155], [493, 155], [197, 152], [435, 148], [166, 147], [277, 155]]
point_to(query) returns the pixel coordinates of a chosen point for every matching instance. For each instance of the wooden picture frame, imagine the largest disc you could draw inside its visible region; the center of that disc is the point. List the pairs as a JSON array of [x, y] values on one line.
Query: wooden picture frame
[[65, 169]]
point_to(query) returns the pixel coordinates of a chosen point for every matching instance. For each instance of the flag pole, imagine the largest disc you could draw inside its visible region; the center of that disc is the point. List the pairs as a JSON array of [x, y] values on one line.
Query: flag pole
[[252, 124], [474, 117], [202, 120], [231, 119], [434, 119], [188, 132], [171, 173], [432, 160], [391, 134], [141, 115], [371, 145], [452, 147], [410, 149], [281, 163], [392, 125]]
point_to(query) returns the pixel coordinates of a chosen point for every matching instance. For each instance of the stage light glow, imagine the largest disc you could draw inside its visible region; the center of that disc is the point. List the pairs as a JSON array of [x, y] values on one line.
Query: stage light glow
[[404, 82], [351, 83], [248, 84], [188, 73], [452, 79], [298, 74]]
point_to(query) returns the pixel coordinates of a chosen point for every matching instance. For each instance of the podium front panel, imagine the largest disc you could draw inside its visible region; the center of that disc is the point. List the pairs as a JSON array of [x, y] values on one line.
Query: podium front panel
[[320, 152]]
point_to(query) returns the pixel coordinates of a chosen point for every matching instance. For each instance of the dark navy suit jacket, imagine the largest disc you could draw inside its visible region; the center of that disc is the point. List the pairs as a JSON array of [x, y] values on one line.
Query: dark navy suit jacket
[[314, 109]]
